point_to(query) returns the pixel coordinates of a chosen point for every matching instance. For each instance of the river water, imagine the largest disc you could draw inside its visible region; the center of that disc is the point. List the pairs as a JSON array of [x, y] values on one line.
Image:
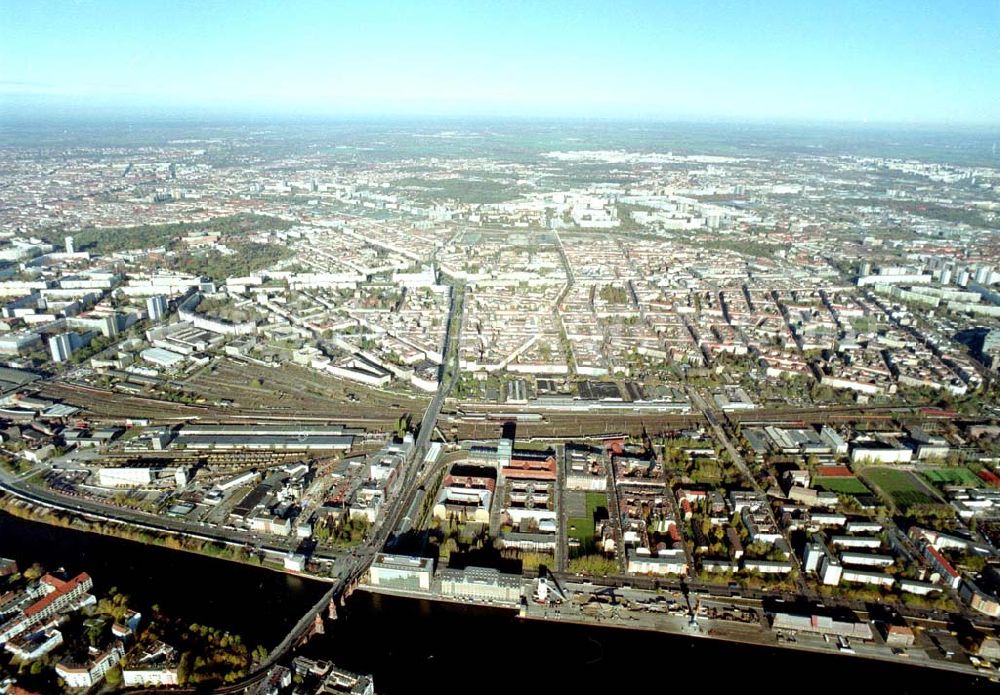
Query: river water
[[255, 603], [415, 646]]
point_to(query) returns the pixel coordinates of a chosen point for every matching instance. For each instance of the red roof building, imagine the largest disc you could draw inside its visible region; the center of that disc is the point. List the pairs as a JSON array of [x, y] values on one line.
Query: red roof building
[[61, 593], [531, 468]]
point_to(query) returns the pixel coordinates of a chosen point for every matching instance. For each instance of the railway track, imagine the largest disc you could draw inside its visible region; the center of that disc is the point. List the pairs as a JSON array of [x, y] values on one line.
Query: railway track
[[111, 405]]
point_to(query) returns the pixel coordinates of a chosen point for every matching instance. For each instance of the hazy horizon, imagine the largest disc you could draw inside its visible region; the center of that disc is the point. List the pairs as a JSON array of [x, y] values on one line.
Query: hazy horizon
[[14, 112], [935, 65]]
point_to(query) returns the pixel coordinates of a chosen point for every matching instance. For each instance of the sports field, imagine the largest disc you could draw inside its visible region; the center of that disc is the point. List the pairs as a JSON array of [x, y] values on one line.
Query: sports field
[[847, 485], [957, 475], [903, 487]]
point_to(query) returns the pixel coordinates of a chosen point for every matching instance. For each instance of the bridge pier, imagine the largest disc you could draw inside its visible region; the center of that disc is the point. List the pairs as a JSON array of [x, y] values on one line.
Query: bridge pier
[[315, 627]]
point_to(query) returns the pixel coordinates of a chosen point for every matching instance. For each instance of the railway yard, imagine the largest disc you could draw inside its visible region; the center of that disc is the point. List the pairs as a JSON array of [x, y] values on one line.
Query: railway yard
[[230, 390]]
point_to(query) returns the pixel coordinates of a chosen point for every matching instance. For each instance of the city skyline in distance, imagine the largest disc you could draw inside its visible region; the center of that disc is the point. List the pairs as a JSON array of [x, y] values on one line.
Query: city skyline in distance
[[933, 64]]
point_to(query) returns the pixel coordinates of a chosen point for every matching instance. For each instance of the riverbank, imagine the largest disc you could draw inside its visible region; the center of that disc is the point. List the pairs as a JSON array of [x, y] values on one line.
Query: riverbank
[[726, 631], [756, 635], [431, 596], [22, 507], [465, 648]]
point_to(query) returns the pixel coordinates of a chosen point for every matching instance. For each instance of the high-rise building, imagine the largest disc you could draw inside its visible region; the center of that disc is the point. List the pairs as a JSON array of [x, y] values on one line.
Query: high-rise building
[[156, 307], [70, 247], [61, 347], [830, 570], [991, 349], [110, 327], [812, 556]]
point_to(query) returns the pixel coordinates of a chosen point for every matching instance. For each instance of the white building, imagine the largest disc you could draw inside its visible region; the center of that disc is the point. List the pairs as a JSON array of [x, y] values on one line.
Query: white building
[[856, 541], [830, 570], [876, 452], [867, 559], [124, 477], [29, 647], [864, 527], [61, 347], [341, 681], [86, 675], [821, 625], [242, 479], [481, 584], [666, 562], [812, 556], [165, 359], [912, 586], [836, 442], [295, 562], [155, 665], [401, 572], [862, 577], [149, 677], [767, 566]]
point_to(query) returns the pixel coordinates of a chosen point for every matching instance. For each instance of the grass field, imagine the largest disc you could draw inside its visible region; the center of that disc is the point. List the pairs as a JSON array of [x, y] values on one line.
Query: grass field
[[582, 528], [903, 487], [847, 485], [959, 475]]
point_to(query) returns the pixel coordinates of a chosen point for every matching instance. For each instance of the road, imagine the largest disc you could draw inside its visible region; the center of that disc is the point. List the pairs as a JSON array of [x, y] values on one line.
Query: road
[[562, 550], [429, 420], [737, 459], [359, 563]]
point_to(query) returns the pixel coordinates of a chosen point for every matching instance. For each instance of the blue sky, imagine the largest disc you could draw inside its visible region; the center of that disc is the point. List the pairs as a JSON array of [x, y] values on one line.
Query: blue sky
[[878, 60]]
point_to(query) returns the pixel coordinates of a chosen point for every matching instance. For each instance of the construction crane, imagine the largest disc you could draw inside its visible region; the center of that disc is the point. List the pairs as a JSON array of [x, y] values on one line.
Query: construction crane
[[693, 620], [546, 581]]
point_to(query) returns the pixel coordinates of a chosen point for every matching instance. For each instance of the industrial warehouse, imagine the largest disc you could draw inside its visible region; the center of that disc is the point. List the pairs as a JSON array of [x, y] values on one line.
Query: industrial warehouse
[[246, 437]]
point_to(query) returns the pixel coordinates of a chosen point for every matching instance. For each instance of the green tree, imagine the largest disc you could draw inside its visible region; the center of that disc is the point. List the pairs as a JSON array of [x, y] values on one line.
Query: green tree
[[114, 676]]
